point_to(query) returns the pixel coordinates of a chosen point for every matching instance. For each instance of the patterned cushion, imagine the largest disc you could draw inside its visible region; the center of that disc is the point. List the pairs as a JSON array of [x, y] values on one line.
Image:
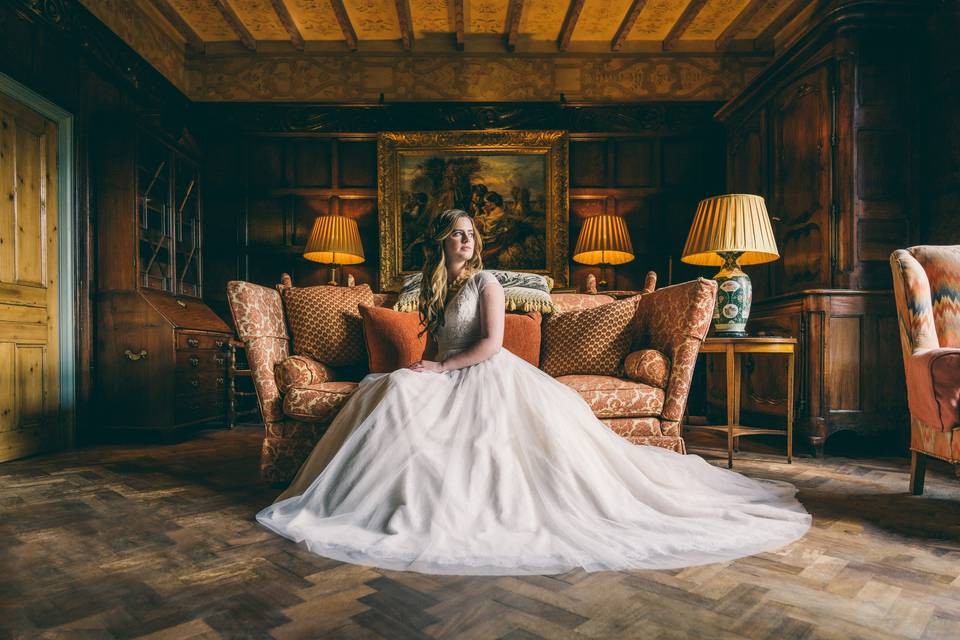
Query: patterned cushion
[[615, 397], [299, 371], [317, 402], [591, 341], [325, 322], [522, 291], [648, 366]]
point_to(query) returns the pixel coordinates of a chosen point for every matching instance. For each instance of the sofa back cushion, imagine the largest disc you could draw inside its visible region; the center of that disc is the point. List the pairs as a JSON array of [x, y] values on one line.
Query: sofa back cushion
[[590, 341], [325, 322], [392, 342]]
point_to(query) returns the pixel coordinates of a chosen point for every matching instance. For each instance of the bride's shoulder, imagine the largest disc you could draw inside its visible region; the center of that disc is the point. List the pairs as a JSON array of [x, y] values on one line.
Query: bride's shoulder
[[485, 278]]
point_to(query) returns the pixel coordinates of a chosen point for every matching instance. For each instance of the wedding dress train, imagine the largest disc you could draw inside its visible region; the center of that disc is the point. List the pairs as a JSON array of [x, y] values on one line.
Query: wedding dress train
[[498, 469]]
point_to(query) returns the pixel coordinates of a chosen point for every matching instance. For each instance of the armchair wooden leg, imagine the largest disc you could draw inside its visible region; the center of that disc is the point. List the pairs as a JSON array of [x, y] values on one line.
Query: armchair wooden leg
[[918, 468]]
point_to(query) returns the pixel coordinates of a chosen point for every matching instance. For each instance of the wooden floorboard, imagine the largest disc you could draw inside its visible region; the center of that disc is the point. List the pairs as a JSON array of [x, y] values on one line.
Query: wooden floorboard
[[160, 541]]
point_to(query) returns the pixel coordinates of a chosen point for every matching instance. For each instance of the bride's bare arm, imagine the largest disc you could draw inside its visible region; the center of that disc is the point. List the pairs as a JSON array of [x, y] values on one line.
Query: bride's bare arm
[[491, 330]]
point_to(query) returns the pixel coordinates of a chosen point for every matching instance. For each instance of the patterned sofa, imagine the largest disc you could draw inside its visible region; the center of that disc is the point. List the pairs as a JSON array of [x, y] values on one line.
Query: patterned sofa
[[926, 286], [672, 321]]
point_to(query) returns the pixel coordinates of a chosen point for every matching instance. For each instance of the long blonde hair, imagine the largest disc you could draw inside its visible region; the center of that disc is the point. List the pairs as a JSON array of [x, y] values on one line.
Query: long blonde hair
[[433, 282]]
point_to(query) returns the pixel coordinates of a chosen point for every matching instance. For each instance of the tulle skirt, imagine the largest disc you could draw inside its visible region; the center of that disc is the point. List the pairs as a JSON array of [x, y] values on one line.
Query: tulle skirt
[[498, 469]]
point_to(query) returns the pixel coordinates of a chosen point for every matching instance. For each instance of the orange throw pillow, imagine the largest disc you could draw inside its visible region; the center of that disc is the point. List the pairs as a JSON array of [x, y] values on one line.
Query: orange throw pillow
[[392, 341], [589, 342]]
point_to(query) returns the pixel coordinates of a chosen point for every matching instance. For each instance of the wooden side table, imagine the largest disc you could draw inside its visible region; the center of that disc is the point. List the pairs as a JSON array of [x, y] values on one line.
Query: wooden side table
[[733, 348]]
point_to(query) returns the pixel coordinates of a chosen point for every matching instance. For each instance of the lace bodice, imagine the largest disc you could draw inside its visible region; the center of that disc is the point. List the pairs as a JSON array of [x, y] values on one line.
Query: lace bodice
[[461, 320]]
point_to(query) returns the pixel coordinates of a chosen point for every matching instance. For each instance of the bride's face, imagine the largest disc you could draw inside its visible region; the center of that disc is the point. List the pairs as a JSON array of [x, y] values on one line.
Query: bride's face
[[460, 243]]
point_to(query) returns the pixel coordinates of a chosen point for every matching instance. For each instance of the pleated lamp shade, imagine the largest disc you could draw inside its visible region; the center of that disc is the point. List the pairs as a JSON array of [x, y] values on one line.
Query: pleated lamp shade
[[736, 222], [334, 240], [603, 240]]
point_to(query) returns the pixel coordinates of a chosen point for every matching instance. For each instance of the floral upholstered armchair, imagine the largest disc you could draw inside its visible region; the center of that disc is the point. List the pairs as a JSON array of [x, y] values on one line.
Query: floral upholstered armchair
[[926, 284], [299, 397]]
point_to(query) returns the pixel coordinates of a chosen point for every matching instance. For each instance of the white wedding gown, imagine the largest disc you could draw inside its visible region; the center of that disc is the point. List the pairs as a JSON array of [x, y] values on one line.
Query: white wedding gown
[[498, 469]]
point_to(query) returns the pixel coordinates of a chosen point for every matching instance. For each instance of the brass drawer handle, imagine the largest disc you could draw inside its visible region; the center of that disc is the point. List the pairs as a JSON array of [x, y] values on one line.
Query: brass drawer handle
[[219, 360], [193, 342], [219, 381], [219, 344], [183, 305], [194, 361], [195, 382], [133, 357]]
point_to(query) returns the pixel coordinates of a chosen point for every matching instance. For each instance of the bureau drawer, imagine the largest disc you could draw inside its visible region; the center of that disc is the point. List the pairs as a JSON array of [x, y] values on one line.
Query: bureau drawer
[[200, 360], [190, 382], [200, 408], [200, 341]]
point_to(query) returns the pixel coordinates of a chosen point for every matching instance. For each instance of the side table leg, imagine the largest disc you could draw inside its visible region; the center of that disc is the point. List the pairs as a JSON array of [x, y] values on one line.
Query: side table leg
[[731, 402], [790, 366]]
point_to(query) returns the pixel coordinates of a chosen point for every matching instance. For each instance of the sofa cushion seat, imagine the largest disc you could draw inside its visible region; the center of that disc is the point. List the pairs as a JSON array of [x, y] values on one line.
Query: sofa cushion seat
[[317, 402], [611, 397]]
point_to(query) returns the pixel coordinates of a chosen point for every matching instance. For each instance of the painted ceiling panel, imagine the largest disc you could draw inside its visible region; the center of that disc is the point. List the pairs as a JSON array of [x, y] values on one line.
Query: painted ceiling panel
[[374, 19], [260, 19], [656, 19], [764, 16], [600, 19], [543, 19], [205, 19], [315, 19], [430, 16], [713, 18], [485, 16]]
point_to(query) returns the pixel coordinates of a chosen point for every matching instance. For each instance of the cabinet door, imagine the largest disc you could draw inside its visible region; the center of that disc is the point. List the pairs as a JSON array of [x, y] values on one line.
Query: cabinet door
[[187, 226], [155, 245], [801, 180]]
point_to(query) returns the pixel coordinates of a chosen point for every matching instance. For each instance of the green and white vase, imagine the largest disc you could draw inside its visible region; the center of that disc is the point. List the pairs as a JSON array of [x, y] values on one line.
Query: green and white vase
[[734, 293]]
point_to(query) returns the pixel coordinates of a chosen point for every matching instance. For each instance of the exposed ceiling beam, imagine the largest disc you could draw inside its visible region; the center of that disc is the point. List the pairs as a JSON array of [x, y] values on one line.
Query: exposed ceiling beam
[[746, 14], [513, 23], [406, 24], [348, 33], [236, 24], [764, 40], [283, 12], [628, 21], [682, 23], [193, 40], [458, 26], [569, 24]]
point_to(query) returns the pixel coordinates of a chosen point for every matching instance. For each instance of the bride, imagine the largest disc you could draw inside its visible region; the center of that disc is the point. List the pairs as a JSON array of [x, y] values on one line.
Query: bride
[[478, 463]]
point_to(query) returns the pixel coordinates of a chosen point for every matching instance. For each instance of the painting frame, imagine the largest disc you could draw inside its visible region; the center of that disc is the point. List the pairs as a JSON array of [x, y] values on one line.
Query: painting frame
[[553, 145]]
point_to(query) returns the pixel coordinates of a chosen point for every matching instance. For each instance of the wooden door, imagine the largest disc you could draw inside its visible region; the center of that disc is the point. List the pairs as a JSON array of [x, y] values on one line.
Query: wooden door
[[29, 359]]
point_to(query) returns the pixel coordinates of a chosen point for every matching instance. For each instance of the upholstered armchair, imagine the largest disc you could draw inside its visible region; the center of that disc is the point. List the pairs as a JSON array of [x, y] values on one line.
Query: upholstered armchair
[[926, 285]]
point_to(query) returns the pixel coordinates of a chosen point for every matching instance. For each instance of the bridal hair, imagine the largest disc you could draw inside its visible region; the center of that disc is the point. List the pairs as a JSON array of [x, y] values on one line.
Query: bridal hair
[[433, 282]]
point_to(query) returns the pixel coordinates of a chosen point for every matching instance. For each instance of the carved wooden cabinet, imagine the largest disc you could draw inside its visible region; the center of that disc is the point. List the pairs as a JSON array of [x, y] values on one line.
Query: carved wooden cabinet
[[824, 134], [161, 354]]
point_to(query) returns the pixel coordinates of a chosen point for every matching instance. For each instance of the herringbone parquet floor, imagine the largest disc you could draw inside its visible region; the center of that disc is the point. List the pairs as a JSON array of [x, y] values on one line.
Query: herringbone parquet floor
[[160, 541]]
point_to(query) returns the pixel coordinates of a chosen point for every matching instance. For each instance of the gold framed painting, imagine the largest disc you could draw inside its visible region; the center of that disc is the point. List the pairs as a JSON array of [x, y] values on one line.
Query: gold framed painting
[[513, 183]]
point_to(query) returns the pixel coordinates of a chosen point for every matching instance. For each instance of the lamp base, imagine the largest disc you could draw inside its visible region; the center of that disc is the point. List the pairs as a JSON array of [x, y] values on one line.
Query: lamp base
[[734, 294]]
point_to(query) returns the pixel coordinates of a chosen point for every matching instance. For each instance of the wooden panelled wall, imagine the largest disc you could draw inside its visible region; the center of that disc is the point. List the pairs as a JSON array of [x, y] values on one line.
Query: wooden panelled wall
[[62, 52], [264, 188]]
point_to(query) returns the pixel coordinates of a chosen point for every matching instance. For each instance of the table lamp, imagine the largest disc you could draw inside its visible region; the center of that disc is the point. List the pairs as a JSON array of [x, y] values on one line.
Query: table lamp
[[334, 240], [729, 231], [605, 241]]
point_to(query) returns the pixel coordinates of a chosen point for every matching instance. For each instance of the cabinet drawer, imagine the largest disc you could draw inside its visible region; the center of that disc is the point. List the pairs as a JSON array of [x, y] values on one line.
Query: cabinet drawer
[[200, 360], [191, 382], [199, 409], [188, 341]]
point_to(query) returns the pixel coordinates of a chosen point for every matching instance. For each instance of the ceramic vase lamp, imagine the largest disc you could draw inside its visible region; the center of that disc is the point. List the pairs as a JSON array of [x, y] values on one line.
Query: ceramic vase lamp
[[334, 240], [605, 241], [729, 231]]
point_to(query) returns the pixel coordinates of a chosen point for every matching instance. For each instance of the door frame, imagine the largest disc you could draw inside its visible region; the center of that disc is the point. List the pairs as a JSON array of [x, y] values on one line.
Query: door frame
[[66, 244]]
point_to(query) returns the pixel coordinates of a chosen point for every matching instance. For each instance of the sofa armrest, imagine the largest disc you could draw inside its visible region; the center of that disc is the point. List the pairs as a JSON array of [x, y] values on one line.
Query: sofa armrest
[[258, 316], [675, 320], [933, 387]]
